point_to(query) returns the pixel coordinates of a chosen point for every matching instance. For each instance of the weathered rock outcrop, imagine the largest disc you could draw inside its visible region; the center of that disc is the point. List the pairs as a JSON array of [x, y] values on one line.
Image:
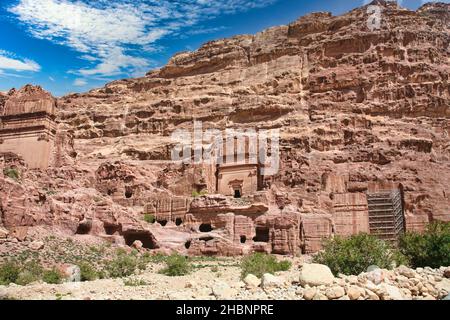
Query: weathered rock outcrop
[[359, 111]]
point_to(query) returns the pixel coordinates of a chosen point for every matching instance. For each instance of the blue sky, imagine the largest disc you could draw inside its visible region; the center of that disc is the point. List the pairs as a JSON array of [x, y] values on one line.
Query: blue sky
[[76, 45]]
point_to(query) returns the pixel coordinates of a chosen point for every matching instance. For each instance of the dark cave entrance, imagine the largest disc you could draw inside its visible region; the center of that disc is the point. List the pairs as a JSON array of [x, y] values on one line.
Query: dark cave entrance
[[178, 221], [84, 227], [205, 227], [262, 234], [243, 239], [162, 222], [128, 194], [111, 229], [145, 237], [237, 194], [187, 245]]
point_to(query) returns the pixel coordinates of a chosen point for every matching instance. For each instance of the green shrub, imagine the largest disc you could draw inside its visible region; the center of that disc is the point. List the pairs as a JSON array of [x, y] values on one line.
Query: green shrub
[[260, 263], [430, 249], [355, 254], [176, 265], [149, 218], [88, 273], [52, 276], [26, 277], [123, 265], [11, 173], [30, 272], [9, 273]]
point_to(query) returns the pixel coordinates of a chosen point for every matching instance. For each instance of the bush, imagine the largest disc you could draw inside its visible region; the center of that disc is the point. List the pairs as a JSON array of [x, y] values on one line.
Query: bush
[[31, 271], [88, 273], [123, 265], [430, 249], [260, 263], [353, 255], [9, 273], [12, 173], [52, 276], [176, 265], [149, 218]]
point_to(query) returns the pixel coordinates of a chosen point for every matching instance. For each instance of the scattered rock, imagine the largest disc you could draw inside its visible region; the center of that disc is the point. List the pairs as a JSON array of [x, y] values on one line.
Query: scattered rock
[[405, 271], [315, 275], [3, 233], [376, 276], [353, 293], [309, 293], [391, 293], [222, 291], [447, 272], [372, 268], [335, 292]]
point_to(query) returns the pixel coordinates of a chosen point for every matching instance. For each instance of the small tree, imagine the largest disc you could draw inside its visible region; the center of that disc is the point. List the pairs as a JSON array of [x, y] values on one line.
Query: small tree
[[355, 254]]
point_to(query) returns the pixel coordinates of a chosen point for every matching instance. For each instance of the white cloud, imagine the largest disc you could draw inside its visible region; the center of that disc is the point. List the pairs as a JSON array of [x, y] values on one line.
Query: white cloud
[[9, 61], [111, 34], [80, 82]]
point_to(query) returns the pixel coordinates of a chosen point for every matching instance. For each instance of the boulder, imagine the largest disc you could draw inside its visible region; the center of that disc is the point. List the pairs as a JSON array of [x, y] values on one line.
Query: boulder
[[137, 244], [70, 272], [270, 281], [252, 281], [315, 275], [36, 245]]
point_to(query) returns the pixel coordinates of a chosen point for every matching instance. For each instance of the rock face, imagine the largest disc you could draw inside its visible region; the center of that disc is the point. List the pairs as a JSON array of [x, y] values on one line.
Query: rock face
[[360, 112]]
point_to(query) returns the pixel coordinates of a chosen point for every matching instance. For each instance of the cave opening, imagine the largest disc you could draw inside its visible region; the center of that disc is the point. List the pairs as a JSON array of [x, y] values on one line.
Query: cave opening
[[178, 221], [237, 194], [187, 245], [162, 222], [205, 227], [146, 238], [262, 234], [243, 239], [128, 194], [84, 228], [111, 229]]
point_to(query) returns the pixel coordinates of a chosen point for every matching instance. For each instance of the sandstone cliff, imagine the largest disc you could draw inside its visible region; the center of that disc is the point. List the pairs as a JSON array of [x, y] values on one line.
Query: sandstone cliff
[[357, 109]]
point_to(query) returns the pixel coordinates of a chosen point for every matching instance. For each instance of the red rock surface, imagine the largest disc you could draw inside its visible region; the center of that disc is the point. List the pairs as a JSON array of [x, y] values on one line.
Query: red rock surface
[[358, 110]]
